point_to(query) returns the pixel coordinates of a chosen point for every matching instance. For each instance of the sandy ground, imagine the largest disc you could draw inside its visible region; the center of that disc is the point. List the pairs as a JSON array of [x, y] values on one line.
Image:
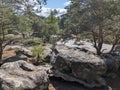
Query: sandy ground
[[8, 53], [9, 50]]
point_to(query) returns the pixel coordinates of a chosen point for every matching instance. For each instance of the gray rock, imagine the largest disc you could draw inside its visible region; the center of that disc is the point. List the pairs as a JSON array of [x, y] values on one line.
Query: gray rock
[[83, 67], [23, 54], [112, 62], [117, 49], [47, 52], [86, 44], [21, 75]]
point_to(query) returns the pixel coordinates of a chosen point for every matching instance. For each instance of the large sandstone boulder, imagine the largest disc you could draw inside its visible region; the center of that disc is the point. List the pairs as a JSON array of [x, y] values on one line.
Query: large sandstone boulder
[[21, 75], [79, 65]]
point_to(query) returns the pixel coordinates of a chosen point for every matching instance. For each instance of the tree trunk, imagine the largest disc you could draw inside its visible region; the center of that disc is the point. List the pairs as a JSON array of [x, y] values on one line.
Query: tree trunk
[[100, 39], [117, 38], [1, 50], [98, 45], [2, 39], [113, 46], [23, 35]]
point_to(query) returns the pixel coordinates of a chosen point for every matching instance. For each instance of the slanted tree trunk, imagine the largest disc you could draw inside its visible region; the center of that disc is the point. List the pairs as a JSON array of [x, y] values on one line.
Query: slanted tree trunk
[[116, 40]]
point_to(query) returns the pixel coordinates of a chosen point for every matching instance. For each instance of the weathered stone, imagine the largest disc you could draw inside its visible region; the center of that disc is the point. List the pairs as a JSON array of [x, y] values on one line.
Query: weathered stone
[[72, 64], [24, 54], [21, 75], [112, 62], [47, 52]]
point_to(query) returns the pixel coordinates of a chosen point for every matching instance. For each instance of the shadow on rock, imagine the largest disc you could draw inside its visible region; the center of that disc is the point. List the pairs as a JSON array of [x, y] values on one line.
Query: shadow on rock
[[12, 59], [60, 84]]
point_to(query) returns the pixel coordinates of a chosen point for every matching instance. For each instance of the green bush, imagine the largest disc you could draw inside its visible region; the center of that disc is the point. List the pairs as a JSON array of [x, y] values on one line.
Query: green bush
[[84, 35], [38, 50], [32, 41]]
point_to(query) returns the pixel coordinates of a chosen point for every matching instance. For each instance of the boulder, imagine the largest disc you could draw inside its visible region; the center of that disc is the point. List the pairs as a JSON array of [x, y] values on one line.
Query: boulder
[[47, 52], [112, 61], [86, 44], [78, 65], [21, 75]]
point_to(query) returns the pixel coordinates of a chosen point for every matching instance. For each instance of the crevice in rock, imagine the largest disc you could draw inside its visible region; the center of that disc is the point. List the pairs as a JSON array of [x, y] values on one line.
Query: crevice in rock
[[25, 68]]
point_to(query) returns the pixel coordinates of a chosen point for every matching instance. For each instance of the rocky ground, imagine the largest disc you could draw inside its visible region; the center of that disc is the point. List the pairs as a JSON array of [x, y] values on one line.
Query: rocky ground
[[60, 84], [55, 83]]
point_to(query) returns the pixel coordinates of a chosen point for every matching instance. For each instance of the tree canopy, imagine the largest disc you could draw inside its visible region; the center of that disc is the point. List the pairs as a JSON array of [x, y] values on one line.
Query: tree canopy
[[98, 17]]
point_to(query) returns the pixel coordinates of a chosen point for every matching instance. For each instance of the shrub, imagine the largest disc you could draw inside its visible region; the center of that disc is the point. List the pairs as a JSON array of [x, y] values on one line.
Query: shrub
[[39, 50], [32, 41]]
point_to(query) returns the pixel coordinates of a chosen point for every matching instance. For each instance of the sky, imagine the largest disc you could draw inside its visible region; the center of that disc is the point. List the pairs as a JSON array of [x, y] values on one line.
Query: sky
[[54, 4]]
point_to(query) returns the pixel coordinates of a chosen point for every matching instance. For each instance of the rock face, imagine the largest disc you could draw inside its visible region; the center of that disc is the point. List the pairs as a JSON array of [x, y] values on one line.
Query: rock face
[[73, 64], [84, 44], [47, 52], [112, 62], [21, 75]]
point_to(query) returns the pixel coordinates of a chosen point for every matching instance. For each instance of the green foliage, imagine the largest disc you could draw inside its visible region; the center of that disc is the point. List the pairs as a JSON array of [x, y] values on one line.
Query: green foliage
[[84, 35], [7, 21], [24, 26], [14, 17], [84, 15], [83, 18], [46, 27], [31, 41], [39, 50], [101, 17]]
